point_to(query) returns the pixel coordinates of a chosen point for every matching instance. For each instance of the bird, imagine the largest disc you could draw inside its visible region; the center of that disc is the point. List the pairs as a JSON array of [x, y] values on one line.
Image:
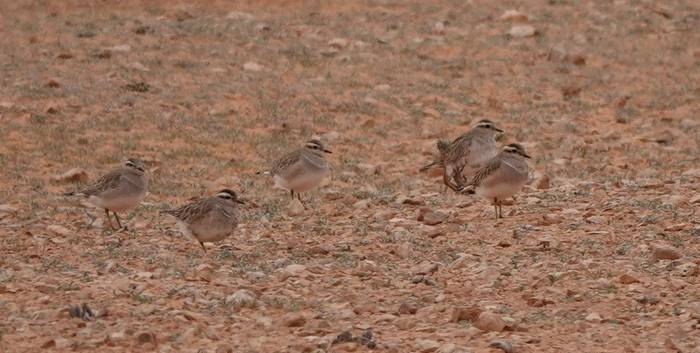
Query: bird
[[209, 219], [120, 190], [300, 170], [462, 157], [501, 177]]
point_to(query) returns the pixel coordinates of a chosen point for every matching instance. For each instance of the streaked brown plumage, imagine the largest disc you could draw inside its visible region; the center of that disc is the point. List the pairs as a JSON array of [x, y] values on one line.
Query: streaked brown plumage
[[502, 177], [300, 170], [210, 219], [120, 190], [466, 153]]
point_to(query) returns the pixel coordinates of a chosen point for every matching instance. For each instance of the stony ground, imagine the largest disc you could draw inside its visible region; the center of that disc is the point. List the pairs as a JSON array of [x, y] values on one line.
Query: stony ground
[[599, 253]]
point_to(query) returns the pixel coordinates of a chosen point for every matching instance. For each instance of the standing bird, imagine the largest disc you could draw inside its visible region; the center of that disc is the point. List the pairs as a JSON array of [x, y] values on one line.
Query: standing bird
[[503, 176], [301, 170], [210, 219], [462, 157], [120, 190]]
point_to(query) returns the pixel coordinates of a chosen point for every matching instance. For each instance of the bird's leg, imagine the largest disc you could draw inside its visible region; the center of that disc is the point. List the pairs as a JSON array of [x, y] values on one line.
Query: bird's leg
[[299, 198], [203, 248], [121, 228], [92, 219], [495, 206], [292, 193], [500, 209], [109, 220]]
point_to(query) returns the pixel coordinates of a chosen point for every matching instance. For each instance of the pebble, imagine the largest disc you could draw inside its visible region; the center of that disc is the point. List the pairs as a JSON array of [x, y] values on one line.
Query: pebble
[[434, 217], [489, 321], [242, 298], [452, 348], [426, 346], [465, 313], [338, 43], [252, 66], [240, 16], [293, 320], [522, 31], [121, 48], [502, 345], [513, 15], [425, 268], [627, 278], [594, 317], [664, 252], [59, 230], [407, 309]]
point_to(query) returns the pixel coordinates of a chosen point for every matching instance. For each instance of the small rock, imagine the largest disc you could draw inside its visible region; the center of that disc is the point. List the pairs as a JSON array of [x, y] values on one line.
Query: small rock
[[543, 183], [59, 230], [407, 309], [688, 269], [361, 205], [252, 66], [296, 208], [628, 279], [205, 272], [240, 16], [434, 218], [452, 348], [146, 337], [425, 268], [513, 15], [293, 320], [695, 199], [663, 252], [121, 48], [502, 345], [405, 323], [224, 348], [594, 317], [242, 298], [522, 31], [648, 299], [338, 43], [431, 112], [675, 227], [489, 321], [255, 275], [570, 91], [45, 288], [465, 313], [439, 28], [5, 208], [53, 83], [426, 346]]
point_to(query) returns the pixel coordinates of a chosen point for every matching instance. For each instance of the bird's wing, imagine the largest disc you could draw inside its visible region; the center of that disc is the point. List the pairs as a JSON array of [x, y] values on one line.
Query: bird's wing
[[483, 173], [106, 182], [191, 211]]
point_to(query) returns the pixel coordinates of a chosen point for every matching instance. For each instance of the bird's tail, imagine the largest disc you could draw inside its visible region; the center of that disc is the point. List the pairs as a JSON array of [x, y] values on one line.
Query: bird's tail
[[467, 189], [427, 166], [263, 172]]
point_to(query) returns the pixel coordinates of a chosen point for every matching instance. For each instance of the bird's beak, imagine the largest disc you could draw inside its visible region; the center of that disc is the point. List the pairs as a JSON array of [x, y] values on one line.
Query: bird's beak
[[526, 155], [327, 151], [498, 130], [240, 201]]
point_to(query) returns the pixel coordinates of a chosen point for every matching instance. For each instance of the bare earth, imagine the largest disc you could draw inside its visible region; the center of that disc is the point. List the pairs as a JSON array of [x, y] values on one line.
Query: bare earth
[[605, 95]]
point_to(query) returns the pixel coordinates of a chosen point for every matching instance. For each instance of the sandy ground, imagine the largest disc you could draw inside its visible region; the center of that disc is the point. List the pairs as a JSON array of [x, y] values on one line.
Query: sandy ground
[[602, 258]]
